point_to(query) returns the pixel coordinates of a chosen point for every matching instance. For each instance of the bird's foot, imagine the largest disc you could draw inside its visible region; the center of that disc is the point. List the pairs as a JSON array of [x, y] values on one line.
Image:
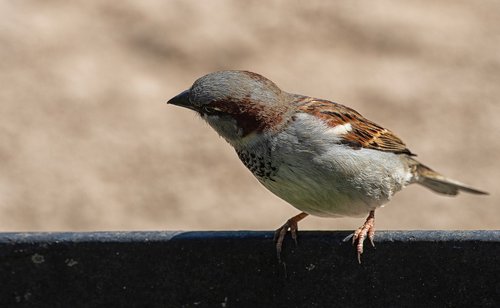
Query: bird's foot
[[359, 236], [292, 226]]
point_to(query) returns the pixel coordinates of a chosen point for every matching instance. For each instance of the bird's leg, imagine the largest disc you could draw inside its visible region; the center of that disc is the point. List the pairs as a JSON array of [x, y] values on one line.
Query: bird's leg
[[292, 225], [368, 228]]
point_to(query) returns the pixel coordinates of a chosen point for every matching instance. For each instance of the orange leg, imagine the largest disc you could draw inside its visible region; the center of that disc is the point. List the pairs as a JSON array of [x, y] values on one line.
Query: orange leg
[[367, 229], [292, 225]]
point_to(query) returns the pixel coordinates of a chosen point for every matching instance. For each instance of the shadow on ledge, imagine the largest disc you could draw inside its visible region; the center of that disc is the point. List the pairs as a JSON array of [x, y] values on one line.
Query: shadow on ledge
[[240, 269]]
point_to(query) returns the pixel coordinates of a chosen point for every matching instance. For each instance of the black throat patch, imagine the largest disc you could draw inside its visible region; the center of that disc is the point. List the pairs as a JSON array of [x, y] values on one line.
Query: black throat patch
[[260, 165]]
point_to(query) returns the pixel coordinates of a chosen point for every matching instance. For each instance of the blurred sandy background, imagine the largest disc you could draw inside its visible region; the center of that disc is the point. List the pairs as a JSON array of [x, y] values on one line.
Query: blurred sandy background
[[87, 142]]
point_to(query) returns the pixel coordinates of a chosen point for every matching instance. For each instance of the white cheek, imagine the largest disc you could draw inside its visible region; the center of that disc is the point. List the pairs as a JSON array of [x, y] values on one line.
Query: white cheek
[[213, 120], [225, 127]]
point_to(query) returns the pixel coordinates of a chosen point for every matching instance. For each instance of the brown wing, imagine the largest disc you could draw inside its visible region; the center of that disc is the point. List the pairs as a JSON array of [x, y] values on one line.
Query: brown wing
[[364, 133]]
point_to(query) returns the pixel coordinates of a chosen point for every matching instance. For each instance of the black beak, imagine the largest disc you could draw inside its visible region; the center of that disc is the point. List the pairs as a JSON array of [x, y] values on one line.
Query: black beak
[[181, 100]]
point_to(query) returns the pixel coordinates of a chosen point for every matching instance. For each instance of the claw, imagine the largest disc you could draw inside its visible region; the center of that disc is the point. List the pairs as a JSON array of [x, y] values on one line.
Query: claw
[[359, 236], [280, 233]]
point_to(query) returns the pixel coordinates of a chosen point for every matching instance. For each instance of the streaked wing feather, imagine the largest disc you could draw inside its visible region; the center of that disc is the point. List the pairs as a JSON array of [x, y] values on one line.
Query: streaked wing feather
[[364, 133]]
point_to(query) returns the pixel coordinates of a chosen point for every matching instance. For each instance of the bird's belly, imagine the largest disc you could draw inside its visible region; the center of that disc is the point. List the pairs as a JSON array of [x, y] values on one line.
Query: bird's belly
[[311, 197], [339, 184]]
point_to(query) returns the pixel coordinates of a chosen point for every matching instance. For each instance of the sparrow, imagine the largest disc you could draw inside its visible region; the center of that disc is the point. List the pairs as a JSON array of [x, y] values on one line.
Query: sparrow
[[323, 158]]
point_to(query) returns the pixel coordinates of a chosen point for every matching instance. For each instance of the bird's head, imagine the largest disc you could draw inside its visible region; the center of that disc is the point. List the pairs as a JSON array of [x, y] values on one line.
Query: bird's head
[[237, 104]]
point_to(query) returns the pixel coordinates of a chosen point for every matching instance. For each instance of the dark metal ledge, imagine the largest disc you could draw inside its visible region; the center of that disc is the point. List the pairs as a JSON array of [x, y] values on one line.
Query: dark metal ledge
[[240, 269]]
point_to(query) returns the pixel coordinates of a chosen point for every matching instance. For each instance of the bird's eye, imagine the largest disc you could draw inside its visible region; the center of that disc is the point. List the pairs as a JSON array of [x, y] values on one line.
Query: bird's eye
[[210, 110]]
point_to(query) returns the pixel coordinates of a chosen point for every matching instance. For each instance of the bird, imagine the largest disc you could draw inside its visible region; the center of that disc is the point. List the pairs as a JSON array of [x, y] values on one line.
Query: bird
[[322, 157]]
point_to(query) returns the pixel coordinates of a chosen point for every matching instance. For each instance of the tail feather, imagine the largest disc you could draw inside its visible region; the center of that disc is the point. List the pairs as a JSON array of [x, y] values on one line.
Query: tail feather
[[431, 179]]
